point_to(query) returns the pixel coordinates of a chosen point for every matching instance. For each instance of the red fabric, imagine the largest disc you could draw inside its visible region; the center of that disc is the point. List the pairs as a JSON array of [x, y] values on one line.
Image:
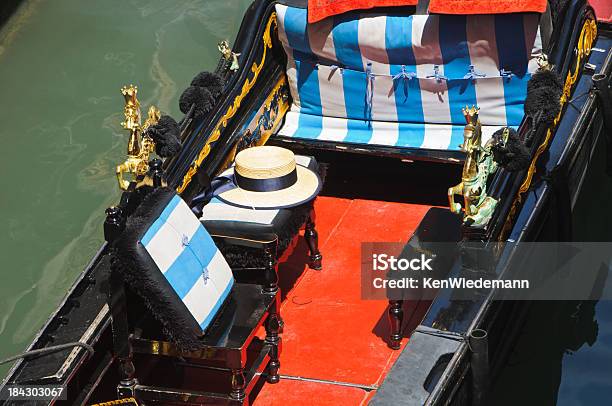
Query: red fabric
[[330, 332], [486, 6], [320, 9]]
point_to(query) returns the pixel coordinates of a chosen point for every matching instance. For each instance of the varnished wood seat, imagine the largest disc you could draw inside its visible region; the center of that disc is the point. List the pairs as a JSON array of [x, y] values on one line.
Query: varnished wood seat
[[165, 272]]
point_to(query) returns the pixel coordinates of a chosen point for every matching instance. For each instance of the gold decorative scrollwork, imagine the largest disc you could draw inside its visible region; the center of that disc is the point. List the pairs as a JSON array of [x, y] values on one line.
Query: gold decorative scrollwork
[[583, 49], [275, 105], [231, 111], [123, 401]]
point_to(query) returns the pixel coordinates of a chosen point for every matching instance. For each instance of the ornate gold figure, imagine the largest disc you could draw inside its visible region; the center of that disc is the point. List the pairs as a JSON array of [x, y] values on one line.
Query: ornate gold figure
[[229, 55], [140, 146], [479, 164]]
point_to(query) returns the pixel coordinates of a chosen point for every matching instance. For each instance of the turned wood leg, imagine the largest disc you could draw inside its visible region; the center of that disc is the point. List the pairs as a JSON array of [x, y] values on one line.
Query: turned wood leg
[[396, 315], [271, 271], [238, 384], [312, 239], [273, 324], [122, 347], [127, 382]]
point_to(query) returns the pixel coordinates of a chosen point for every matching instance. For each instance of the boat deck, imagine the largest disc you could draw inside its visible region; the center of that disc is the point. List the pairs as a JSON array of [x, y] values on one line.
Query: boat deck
[[330, 334]]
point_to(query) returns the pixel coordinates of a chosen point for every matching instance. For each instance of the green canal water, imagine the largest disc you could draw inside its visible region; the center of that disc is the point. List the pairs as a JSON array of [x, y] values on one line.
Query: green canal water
[[62, 63]]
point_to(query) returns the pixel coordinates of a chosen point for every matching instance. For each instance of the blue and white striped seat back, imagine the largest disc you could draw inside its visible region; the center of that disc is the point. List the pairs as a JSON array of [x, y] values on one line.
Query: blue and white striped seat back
[[190, 261], [402, 79]]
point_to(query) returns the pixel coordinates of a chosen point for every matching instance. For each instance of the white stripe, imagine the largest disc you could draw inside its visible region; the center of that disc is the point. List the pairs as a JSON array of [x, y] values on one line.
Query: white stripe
[[219, 272], [322, 41], [426, 48], [332, 91], [291, 122], [167, 244], [384, 133], [201, 299], [437, 136], [371, 32], [183, 220], [334, 129], [331, 86], [165, 247]]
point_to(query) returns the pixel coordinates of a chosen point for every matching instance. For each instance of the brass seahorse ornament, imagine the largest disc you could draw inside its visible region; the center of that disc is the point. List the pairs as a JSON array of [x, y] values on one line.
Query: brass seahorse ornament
[[477, 207], [229, 55], [140, 145]]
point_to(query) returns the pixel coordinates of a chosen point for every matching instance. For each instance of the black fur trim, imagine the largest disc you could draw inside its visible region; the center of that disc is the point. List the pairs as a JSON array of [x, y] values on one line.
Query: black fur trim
[[545, 78], [512, 155], [166, 135], [140, 273], [543, 105], [211, 81], [200, 97], [544, 91]]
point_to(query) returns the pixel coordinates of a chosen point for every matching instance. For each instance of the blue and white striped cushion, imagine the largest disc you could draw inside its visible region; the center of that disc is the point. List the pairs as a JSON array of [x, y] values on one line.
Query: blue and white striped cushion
[[327, 62], [189, 260]]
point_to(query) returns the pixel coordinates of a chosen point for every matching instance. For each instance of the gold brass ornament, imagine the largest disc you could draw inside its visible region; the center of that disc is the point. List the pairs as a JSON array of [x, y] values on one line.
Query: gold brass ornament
[[587, 37], [140, 146], [477, 206], [229, 55]]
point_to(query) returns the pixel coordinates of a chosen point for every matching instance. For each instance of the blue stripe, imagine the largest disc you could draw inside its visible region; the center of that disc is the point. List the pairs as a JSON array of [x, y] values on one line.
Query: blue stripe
[[345, 35], [184, 273], [456, 59], [161, 220], [217, 305], [398, 42], [203, 247], [296, 31], [416, 132], [295, 24], [188, 266], [513, 56]]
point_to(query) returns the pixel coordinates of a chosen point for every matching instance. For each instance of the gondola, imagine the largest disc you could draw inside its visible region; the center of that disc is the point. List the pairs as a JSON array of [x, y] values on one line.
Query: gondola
[[425, 122]]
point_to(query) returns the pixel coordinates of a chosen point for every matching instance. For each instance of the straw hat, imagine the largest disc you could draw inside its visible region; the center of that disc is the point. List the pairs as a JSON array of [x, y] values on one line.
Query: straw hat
[[268, 177]]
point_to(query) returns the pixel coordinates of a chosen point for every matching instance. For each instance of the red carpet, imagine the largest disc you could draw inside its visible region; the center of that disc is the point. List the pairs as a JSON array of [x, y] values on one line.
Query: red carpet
[[330, 333]]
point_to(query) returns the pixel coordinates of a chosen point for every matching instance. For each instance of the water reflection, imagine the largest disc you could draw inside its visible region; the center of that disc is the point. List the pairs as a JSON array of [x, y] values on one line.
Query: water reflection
[[564, 352], [62, 63]]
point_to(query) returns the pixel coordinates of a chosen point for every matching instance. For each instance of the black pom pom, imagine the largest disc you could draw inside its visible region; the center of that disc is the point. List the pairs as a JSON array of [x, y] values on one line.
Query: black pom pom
[[512, 154], [543, 97], [166, 135], [201, 97], [211, 81], [543, 104], [170, 124], [545, 78]]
